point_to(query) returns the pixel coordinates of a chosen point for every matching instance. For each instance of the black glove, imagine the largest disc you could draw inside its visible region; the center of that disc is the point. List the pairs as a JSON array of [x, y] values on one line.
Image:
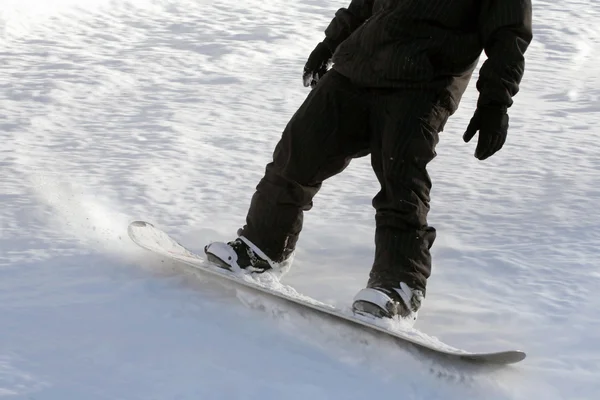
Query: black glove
[[492, 124], [317, 64]]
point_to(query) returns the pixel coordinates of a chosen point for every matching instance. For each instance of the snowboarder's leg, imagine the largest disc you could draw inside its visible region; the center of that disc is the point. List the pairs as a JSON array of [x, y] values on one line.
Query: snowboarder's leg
[[405, 127], [327, 131]]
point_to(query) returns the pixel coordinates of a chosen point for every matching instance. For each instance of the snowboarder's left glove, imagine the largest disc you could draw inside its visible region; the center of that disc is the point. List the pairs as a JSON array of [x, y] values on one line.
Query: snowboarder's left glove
[[317, 64], [492, 124]]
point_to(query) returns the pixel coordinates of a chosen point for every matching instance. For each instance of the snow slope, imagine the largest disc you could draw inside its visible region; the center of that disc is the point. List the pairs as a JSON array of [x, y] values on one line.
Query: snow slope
[[115, 110]]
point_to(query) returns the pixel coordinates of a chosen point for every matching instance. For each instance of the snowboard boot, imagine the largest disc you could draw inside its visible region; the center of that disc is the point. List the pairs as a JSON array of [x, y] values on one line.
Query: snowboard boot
[[388, 302], [241, 254]]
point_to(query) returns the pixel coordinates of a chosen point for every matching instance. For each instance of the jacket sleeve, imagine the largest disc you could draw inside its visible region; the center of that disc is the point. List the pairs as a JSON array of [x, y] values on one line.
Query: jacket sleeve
[[505, 30], [346, 21]]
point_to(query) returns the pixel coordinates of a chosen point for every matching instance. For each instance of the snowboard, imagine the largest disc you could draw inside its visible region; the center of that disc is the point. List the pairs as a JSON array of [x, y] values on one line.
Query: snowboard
[[149, 237]]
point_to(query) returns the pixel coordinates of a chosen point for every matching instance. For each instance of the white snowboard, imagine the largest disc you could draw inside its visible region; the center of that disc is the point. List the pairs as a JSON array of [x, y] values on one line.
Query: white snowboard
[[151, 238]]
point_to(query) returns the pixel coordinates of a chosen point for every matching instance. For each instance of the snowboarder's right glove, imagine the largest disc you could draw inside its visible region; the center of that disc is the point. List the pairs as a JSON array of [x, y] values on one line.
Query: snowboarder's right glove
[[317, 64], [492, 124]]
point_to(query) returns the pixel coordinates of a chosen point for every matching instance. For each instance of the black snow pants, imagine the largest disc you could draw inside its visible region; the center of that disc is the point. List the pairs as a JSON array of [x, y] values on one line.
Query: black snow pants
[[337, 122]]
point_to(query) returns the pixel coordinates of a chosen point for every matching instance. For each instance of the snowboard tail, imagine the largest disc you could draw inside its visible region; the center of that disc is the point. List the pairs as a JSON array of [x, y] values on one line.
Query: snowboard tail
[[153, 239]]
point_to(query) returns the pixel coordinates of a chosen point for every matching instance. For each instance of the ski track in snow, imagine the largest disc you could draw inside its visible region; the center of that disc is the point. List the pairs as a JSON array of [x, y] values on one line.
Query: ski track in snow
[[167, 111]]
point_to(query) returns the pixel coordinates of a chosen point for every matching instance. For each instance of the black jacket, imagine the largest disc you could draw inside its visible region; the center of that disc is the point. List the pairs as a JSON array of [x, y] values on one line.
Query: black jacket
[[434, 44]]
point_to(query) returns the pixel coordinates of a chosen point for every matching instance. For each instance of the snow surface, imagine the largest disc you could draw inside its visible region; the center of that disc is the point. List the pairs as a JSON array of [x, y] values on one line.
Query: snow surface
[[167, 111]]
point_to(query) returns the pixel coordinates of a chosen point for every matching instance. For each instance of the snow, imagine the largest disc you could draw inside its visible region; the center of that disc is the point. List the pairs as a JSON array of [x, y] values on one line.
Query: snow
[[167, 111]]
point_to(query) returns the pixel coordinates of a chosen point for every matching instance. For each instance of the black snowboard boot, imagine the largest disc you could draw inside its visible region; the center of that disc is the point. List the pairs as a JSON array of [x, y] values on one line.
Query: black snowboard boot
[[242, 254], [389, 302]]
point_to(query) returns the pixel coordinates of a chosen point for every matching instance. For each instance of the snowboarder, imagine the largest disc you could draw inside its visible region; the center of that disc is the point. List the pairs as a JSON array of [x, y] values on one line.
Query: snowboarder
[[400, 68]]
